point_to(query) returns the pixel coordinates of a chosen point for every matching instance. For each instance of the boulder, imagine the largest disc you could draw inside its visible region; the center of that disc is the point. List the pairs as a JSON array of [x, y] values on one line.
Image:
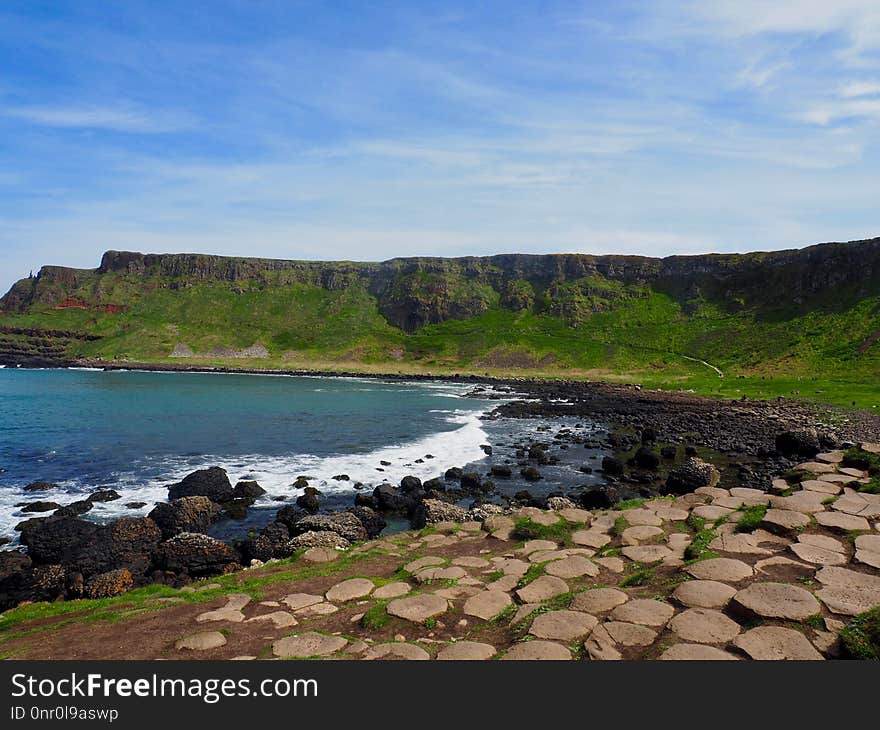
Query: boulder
[[612, 465], [344, 524], [130, 542], [391, 499], [645, 458], [453, 474], [195, 555], [54, 539], [432, 511], [471, 482], [312, 539], [212, 483], [289, 516], [41, 487], [372, 521], [691, 475], [248, 490], [105, 495], [109, 584], [74, 509], [187, 514], [40, 506], [410, 484], [601, 497], [530, 474], [309, 501], [802, 442]]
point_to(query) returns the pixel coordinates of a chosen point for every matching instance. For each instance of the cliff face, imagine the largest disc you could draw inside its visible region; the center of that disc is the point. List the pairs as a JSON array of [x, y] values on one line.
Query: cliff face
[[413, 292]]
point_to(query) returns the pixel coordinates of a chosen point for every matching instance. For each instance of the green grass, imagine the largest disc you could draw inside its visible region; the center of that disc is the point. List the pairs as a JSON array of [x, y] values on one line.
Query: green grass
[[629, 504], [861, 636], [559, 532], [699, 547], [639, 577], [751, 518], [583, 328]]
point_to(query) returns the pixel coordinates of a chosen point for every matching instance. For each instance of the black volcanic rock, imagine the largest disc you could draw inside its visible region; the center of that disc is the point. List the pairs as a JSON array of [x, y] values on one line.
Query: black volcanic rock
[[212, 483]]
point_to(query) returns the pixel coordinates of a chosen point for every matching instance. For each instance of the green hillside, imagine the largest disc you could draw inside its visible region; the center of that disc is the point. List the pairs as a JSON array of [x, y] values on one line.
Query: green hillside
[[643, 320]]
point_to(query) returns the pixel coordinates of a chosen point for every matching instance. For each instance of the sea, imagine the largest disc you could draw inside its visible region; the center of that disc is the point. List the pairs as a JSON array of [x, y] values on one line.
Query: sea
[[137, 432]]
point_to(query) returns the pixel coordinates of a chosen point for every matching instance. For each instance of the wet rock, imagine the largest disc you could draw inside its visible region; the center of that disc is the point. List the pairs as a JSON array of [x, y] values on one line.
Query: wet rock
[[248, 490], [212, 483], [372, 521], [391, 499], [308, 500], [105, 495], [196, 555], [471, 482], [410, 484], [187, 514], [530, 474], [803, 442], [344, 524], [613, 466], [53, 539], [41, 487], [645, 458], [40, 506], [432, 511], [74, 509], [691, 475], [290, 515]]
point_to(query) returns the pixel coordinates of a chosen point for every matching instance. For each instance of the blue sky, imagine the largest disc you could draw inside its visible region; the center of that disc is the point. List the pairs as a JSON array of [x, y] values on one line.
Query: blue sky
[[355, 130]]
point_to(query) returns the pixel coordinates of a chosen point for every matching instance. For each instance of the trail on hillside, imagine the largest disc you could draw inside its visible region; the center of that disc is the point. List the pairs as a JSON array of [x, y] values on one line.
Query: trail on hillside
[[703, 362]]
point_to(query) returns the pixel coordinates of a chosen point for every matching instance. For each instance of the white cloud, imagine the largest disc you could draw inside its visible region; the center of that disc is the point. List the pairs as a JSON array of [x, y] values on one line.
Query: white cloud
[[118, 119]]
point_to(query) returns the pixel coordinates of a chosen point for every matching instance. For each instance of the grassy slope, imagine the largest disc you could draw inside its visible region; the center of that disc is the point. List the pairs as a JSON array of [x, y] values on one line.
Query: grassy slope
[[586, 328]]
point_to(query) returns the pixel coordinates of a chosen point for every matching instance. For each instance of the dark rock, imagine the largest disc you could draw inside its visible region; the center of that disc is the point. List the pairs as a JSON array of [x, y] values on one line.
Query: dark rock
[[599, 498], [645, 458], [434, 485], [612, 465], [391, 499], [668, 452], [40, 507], [55, 539], [270, 543], [249, 490], [410, 484], [365, 500], [12, 562], [342, 477], [804, 442], [432, 511], [530, 474], [105, 495], [691, 475], [502, 471], [135, 505], [690, 451], [212, 483], [471, 481], [649, 435], [196, 555], [487, 449], [344, 524], [453, 473], [41, 487], [236, 509], [187, 514], [309, 500], [290, 515], [300, 483], [129, 542], [80, 507], [109, 584], [372, 521]]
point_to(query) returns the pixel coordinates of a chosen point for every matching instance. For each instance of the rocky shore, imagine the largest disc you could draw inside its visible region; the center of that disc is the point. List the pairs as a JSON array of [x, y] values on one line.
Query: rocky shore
[[710, 574], [658, 445]]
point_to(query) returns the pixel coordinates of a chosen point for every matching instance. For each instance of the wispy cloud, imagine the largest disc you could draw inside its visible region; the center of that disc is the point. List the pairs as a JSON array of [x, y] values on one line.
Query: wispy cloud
[[116, 119]]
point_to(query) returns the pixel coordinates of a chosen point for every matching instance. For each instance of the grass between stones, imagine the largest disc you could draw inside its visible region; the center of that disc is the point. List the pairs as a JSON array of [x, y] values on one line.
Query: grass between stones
[[640, 576], [560, 532], [861, 636], [629, 504], [751, 518], [699, 547]]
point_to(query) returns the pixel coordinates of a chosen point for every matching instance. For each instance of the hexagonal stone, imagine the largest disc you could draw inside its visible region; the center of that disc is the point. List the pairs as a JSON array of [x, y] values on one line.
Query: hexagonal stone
[[453, 572], [317, 609], [775, 600], [647, 553], [784, 520], [278, 619], [614, 564], [542, 589], [775, 642], [598, 600], [487, 604], [307, 645], [644, 611], [542, 556], [573, 514], [696, 652], [297, 601], [629, 634], [817, 467], [590, 538], [824, 541], [425, 562], [710, 512], [738, 543], [395, 650], [538, 516], [201, 641], [640, 533], [704, 594], [532, 546], [471, 561], [704, 626], [830, 457], [537, 651], [497, 522], [511, 566], [817, 555], [848, 592], [349, 590], [821, 486], [320, 554], [868, 542], [392, 590], [601, 646], [418, 608], [563, 625], [722, 569], [641, 517], [221, 614], [573, 566], [466, 651], [804, 501], [671, 514], [842, 522]]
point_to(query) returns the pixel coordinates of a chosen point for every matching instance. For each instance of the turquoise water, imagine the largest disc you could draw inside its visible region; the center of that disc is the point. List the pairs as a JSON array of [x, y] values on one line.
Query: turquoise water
[[136, 432]]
